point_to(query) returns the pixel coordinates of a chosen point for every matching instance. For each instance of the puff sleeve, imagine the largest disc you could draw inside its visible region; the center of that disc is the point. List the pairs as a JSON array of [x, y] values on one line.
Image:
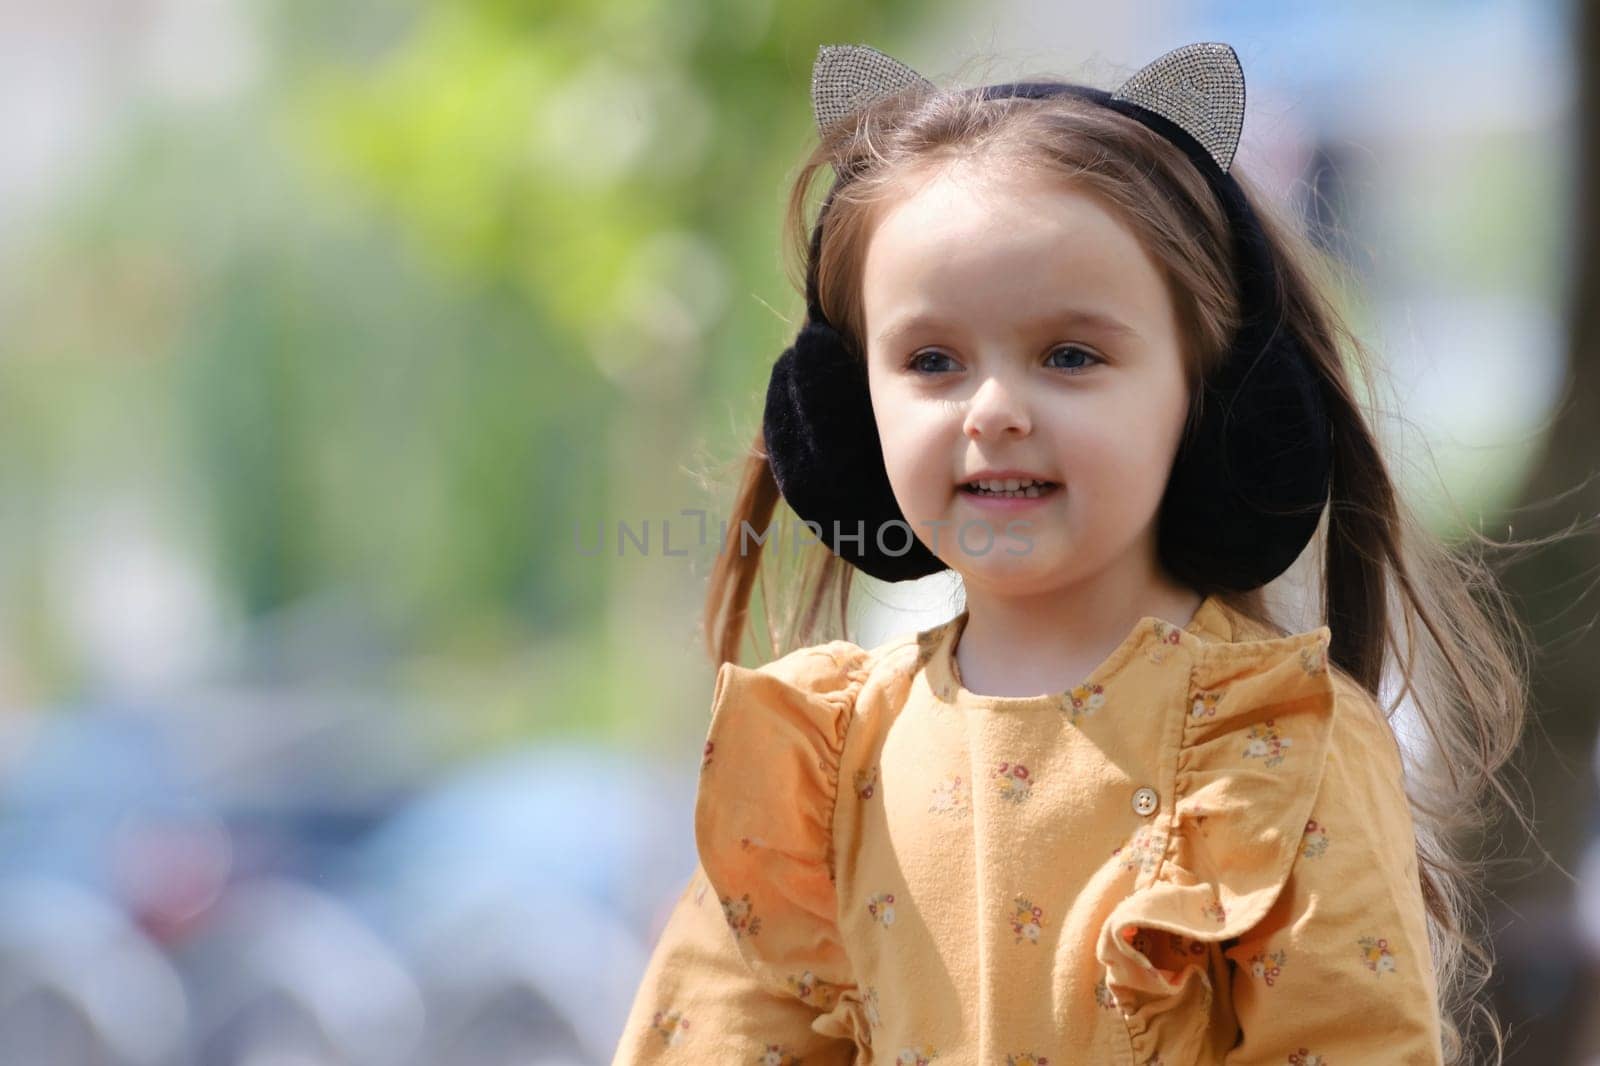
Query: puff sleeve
[[1339, 970], [749, 966], [1284, 922]]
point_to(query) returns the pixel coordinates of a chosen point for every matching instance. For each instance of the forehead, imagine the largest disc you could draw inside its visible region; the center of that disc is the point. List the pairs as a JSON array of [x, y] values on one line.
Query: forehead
[[970, 239]]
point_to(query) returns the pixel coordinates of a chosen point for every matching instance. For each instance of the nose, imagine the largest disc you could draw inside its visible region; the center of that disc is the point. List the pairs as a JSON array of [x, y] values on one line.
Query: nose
[[997, 408]]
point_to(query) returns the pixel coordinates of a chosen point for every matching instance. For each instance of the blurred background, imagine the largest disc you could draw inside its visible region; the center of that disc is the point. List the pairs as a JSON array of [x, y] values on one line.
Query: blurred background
[[360, 365]]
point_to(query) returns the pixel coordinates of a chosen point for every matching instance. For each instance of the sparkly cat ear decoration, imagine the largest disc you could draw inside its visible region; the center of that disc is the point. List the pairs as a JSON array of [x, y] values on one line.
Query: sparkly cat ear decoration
[[846, 77], [1200, 87]]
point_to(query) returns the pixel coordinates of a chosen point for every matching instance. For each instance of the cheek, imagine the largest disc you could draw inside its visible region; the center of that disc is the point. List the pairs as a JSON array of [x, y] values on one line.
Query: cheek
[[916, 437], [1120, 450]]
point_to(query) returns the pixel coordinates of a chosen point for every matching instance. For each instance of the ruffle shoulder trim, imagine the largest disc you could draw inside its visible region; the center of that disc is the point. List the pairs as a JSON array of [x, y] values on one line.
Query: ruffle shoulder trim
[[763, 819], [1250, 761]]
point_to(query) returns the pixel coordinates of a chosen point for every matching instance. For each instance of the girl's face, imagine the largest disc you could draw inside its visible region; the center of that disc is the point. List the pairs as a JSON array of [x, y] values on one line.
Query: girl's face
[[1013, 323]]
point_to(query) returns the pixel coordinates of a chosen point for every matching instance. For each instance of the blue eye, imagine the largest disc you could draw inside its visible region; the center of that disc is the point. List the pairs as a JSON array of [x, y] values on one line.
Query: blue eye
[[1076, 367], [915, 362]]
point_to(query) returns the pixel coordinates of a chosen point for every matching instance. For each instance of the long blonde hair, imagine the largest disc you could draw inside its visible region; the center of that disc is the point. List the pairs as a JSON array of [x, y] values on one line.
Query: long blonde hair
[[1459, 653]]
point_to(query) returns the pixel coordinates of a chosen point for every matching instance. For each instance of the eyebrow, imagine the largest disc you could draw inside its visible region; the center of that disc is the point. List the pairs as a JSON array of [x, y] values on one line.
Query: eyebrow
[[1082, 316]]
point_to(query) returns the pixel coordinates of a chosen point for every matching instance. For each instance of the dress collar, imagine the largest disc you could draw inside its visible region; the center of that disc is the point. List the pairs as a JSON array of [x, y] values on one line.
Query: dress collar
[[1213, 622]]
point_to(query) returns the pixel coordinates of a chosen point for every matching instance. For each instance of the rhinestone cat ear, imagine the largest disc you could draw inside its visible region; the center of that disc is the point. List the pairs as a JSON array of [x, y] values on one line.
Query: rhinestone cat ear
[[846, 77], [1201, 88]]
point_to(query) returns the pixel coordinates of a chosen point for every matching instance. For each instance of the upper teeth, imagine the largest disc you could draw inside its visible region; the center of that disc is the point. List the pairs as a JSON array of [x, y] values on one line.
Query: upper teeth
[[1009, 484]]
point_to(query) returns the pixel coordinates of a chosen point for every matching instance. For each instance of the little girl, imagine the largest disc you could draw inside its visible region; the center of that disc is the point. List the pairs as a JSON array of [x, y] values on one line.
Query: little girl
[[1110, 812]]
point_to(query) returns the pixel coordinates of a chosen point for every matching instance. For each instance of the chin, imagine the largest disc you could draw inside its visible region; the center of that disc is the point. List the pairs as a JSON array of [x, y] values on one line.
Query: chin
[[1001, 572]]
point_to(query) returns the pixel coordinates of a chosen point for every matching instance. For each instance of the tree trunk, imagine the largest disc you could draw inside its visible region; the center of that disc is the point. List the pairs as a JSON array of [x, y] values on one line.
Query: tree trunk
[[1546, 989]]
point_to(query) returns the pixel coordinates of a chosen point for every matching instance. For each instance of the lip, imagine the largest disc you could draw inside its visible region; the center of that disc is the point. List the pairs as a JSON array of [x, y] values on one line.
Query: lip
[[1006, 504]]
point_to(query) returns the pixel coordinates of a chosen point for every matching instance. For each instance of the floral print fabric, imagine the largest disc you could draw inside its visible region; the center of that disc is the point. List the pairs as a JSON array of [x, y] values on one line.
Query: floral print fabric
[[1201, 854]]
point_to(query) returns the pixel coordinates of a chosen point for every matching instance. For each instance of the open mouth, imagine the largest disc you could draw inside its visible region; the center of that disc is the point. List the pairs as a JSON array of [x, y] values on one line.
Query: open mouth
[[1012, 488]]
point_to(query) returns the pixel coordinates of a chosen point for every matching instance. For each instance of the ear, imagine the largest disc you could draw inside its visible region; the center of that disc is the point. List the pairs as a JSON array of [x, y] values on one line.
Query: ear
[[1201, 88], [847, 77]]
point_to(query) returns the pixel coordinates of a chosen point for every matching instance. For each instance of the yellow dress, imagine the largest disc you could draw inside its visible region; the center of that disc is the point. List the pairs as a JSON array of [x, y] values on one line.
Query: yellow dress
[[1202, 854]]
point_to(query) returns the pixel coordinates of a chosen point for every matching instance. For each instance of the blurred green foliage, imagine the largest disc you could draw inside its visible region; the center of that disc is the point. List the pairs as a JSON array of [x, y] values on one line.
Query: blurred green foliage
[[379, 328]]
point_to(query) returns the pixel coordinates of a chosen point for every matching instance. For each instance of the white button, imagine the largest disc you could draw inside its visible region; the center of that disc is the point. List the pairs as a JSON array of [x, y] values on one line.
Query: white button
[[1144, 800]]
